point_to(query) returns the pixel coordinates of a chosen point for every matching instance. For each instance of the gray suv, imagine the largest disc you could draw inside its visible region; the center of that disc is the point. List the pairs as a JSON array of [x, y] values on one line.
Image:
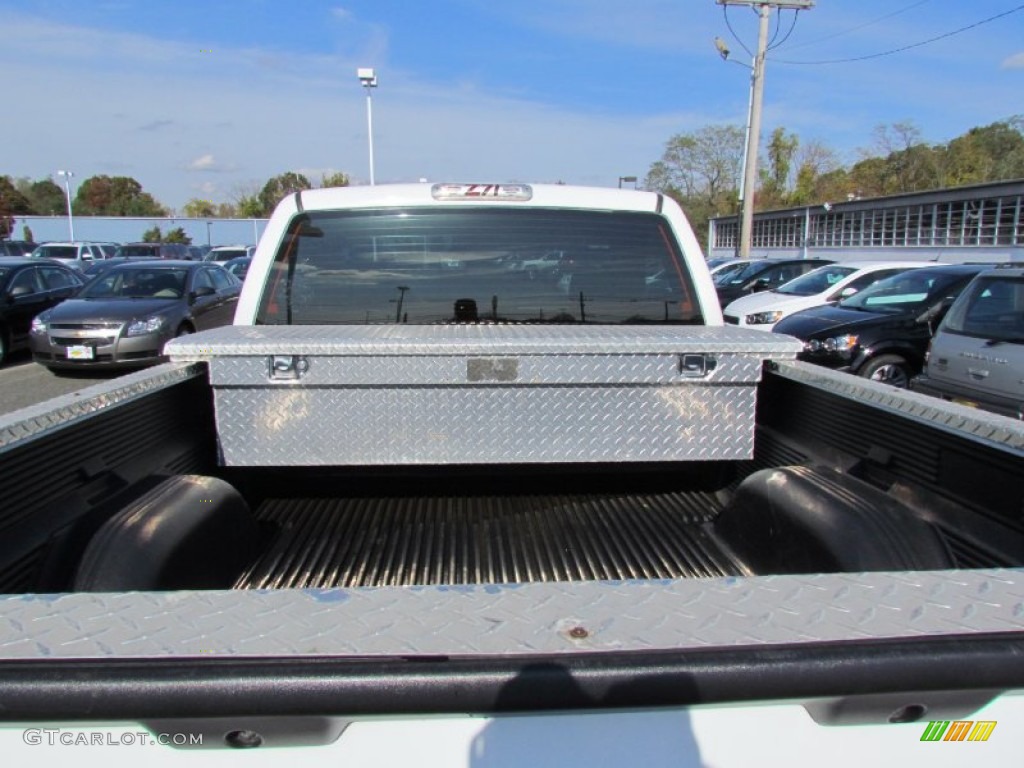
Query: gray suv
[[977, 354]]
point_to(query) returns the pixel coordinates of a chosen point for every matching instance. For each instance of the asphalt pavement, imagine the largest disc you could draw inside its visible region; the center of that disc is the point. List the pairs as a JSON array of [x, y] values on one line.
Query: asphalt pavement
[[24, 383]]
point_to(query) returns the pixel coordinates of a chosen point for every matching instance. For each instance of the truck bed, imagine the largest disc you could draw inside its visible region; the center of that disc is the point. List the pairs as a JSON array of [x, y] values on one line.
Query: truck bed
[[350, 527]]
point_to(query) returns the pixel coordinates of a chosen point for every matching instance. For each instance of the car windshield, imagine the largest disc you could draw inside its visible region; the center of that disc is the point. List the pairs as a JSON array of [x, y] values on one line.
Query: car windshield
[[816, 281], [742, 273], [56, 252], [911, 290], [991, 308], [134, 283], [493, 265], [722, 275]]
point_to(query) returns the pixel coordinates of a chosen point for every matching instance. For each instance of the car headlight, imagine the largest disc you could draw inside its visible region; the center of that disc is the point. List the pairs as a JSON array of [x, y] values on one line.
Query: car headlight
[[145, 326], [764, 318], [40, 323], [835, 345]]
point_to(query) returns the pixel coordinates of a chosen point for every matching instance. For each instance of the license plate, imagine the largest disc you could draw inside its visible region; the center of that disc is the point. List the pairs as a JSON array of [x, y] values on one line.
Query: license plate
[[81, 352]]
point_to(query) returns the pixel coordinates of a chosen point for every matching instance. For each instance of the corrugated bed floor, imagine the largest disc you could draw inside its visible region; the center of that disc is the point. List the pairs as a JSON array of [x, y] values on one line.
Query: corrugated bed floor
[[333, 542]]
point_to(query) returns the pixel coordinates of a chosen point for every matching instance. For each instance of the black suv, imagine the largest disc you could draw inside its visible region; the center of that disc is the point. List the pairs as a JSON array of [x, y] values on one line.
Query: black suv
[[153, 251], [761, 275], [881, 333]]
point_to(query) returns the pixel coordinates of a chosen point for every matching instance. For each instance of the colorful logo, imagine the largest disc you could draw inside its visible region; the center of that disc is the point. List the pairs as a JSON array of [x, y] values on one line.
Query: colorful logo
[[958, 730]]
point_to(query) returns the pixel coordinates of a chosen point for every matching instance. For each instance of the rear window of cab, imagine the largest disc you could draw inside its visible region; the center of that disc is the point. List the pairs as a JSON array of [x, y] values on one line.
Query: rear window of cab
[[480, 265]]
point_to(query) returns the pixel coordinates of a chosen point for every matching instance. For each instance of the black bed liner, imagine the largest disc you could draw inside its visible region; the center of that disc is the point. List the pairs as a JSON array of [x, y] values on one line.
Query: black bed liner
[[324, 542]]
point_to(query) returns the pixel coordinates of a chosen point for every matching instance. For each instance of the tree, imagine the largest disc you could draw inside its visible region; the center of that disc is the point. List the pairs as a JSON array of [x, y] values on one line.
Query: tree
[[115, 196], [153, 235], [775, 174], [12, 203], [250, 207], [820, 176], [700, 170], [338, 179], [278, 188], [44, 196], [177, 235], [199, 209], [990, 153]]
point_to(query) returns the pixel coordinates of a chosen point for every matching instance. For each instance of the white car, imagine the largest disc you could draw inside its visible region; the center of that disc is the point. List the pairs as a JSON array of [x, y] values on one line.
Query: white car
[[76, 254], [823, 285]]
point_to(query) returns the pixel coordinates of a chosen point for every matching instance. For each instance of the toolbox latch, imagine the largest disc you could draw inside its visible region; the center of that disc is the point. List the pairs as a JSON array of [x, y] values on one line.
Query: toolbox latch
[[288, 367], [696, 365]]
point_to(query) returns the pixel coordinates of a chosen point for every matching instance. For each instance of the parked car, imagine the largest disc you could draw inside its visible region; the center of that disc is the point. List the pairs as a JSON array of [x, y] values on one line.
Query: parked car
[[976, 356], [98, 267], [881, 333], [154, 251], [16, 247], [27, 287], [824, 285], [123, 317], [238, 266], [761, 275], [551, 263], [76, 254], [228, 252]]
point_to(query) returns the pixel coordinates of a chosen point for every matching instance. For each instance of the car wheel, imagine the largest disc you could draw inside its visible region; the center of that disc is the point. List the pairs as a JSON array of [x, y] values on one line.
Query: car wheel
[[888, 369]]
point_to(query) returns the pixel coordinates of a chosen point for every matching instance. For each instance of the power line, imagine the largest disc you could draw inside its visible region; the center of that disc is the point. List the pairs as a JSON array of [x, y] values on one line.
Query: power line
[[906, 47], [860, 26]]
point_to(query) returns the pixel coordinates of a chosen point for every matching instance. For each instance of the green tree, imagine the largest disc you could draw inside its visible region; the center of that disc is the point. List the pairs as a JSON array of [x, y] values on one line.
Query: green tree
[[249, 207], [199, 209], [12, 203], [701, 170], [338, 179], [115, 196], [278, 188], [777, 169], [991, 153], [45, 197], [153, 235], [26, 233], [177, 235]]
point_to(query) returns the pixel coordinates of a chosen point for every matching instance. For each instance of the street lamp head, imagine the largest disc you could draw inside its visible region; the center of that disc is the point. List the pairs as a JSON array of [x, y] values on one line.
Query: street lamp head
[[367, 77], [723, 49]]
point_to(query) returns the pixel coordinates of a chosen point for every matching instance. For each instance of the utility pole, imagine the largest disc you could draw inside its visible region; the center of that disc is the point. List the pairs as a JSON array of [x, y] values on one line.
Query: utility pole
[[764, 9]]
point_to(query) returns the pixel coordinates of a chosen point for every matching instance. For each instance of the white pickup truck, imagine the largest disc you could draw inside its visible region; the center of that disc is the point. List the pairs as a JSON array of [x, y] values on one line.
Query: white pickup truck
[[415, 508]]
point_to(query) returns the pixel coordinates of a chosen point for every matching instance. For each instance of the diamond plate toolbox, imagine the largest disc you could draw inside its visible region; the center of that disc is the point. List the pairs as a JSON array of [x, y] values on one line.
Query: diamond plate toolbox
[[482, 394]]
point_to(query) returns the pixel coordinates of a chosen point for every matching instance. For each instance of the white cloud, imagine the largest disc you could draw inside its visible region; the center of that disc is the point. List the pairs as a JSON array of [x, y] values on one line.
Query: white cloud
[[1014, 62], [203, 163], [341, 14]]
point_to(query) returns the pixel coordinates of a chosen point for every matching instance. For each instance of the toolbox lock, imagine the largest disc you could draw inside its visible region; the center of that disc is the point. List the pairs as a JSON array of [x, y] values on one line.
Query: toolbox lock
[[288, 367], [696, 365]]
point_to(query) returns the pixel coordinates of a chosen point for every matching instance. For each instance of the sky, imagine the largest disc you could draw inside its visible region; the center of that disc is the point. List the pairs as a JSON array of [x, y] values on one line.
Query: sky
[[209, 98]]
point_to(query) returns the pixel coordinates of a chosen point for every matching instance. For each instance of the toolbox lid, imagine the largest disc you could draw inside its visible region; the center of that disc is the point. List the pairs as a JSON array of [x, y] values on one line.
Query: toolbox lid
[[478, 339]]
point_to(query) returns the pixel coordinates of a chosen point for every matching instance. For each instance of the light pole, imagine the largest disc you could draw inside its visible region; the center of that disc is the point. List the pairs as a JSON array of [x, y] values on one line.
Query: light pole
[[764, 9], [627, 179], [369, 80], [67, 193]]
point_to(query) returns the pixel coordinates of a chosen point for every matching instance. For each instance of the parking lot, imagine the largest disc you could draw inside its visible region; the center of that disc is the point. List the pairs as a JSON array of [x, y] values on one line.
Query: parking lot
[[24, 383]]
